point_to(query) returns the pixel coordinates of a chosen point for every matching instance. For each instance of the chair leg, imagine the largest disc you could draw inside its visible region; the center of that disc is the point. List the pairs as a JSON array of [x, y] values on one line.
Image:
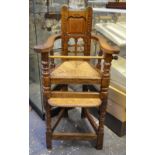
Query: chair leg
[[48, 127], [48, 140], [66, 113], [83, 114], [100, 133], [65, 88], [99, 144]]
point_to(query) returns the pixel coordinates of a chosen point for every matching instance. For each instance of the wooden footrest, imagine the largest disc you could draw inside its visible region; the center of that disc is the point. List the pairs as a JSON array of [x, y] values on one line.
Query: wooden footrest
[[74, 102]]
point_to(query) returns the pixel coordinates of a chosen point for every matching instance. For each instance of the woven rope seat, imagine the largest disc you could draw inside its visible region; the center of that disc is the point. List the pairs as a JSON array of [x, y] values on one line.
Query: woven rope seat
[[71, 70], [74, 102]]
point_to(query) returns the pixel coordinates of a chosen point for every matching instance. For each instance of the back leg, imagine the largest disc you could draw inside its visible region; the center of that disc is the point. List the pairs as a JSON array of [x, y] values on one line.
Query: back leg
[[48, 126], [83, 115]]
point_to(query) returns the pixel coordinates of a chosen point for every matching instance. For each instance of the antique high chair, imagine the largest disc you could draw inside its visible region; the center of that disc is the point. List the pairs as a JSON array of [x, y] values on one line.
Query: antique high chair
[[75, 69]]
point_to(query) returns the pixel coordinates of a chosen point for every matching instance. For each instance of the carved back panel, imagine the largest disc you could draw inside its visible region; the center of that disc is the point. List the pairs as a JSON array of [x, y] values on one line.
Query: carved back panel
[[76, 30]]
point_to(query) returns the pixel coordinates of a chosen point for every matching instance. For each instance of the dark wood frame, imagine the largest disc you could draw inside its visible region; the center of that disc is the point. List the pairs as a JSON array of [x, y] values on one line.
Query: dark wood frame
[[116, 5], [69, 29]]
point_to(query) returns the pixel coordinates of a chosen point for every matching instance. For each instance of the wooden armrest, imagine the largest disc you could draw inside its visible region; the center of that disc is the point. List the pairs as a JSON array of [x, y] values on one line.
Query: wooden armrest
[[107, 48], [48, 45]]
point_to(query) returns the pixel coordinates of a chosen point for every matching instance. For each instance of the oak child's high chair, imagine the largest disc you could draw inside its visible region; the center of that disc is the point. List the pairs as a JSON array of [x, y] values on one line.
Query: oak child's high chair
[[75, 69]]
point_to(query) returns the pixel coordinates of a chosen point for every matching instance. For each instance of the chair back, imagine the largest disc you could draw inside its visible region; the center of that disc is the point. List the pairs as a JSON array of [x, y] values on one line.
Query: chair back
[[76, 30]]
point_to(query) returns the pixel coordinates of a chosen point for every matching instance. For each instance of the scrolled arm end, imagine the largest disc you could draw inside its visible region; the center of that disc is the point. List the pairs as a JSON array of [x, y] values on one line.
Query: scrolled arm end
[[104, 45], [48, 45]]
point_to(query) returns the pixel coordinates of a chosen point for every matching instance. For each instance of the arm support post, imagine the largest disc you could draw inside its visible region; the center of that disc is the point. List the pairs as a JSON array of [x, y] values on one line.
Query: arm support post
[[104, 96]]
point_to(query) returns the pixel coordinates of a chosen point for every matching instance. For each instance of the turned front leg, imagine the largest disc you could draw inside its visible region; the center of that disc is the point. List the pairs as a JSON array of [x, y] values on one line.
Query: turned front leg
[[46, 94], [100, 133]]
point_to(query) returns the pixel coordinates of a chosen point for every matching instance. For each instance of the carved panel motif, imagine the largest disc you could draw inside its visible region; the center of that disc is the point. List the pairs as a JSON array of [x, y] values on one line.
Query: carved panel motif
[[76, 25]]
